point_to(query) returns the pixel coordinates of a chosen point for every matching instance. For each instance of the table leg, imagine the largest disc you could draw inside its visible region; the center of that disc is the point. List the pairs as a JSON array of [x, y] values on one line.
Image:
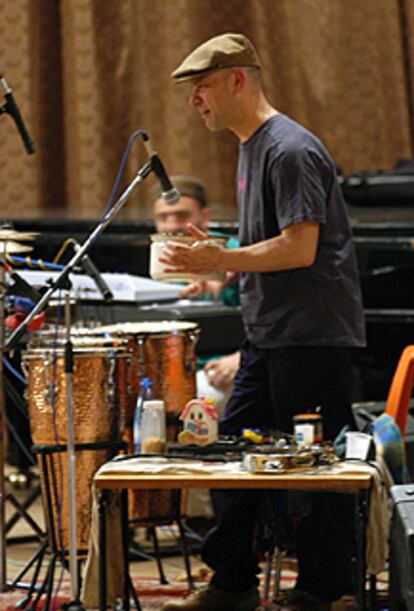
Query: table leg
[[102, 501], [125, 550], [361, 521]]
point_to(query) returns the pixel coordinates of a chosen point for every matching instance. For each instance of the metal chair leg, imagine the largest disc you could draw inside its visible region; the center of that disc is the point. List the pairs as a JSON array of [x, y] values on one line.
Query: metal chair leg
[[186, 556], [278, 563], [153, 532]]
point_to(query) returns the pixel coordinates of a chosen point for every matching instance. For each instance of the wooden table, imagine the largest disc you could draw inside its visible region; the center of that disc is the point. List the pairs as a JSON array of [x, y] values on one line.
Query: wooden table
[[357, 484]]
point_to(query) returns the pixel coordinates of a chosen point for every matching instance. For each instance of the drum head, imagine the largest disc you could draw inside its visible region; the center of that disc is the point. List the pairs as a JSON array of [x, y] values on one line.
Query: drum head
[[155, 327]]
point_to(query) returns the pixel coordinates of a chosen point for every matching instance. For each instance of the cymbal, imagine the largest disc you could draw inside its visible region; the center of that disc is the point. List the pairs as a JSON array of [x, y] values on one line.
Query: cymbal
[[11, 247], [20, 236]]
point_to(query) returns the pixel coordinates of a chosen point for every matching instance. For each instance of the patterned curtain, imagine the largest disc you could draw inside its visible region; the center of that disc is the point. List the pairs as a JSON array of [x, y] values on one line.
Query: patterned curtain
[[88, 73]]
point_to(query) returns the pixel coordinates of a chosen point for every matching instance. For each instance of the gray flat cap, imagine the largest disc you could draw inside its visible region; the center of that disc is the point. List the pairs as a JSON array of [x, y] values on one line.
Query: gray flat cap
[[224, 51]]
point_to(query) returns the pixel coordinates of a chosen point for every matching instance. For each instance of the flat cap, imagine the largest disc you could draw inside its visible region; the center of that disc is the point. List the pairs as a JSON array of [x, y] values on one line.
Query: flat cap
[[224, 51]]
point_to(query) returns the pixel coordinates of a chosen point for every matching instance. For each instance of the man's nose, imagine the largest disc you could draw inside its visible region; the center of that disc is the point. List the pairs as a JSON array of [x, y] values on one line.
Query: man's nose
[[194, 99], [174, 225]]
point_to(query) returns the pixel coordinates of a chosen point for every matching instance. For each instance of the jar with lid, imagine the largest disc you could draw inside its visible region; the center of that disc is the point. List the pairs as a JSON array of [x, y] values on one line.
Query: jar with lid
[[153, 427], [309, 419], [158, 242]]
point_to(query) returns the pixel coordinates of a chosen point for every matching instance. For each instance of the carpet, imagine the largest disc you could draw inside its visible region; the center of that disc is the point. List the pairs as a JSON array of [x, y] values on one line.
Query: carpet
[[151, 594]]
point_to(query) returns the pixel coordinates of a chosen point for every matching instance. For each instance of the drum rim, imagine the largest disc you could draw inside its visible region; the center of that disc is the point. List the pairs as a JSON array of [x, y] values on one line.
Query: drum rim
[[32, 353], [115, 330]]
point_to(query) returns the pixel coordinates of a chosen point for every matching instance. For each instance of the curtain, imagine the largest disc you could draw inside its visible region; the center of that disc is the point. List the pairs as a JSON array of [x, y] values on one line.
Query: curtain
[[87, 74]]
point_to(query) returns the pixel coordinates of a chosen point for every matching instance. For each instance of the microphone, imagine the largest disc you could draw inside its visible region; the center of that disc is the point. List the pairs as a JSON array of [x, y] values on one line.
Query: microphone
[[92, 271], [169, 194], [12, 109], [20, 286]]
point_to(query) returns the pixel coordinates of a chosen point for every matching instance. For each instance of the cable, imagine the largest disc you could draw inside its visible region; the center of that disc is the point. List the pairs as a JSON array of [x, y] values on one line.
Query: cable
[[63, 248], [132, 139], [14, 371]]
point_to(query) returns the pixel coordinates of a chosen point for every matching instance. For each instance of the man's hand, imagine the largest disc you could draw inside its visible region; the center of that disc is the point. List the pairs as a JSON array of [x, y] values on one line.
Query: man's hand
[[203, 287], [203, 257], [221, 372]]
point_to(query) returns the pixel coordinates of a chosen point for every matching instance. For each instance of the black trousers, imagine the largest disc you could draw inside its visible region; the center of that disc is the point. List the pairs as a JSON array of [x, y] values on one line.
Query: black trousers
[[271, 386]]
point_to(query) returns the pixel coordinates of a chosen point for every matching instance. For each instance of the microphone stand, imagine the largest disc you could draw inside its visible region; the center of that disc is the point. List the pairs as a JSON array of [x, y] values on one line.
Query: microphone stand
[[61, 279], [60, 282]]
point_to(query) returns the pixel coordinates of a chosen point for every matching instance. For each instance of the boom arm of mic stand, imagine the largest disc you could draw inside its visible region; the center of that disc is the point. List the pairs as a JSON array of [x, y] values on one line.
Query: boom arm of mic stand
[[60, 280]]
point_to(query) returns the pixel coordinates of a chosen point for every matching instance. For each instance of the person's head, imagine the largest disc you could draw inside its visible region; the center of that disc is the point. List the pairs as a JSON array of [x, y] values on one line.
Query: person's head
[[224, 73], [192, 206]]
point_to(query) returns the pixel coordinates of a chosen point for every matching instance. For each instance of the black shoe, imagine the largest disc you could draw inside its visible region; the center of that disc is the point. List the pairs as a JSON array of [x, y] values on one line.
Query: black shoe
[[297, 600], [212, 599]]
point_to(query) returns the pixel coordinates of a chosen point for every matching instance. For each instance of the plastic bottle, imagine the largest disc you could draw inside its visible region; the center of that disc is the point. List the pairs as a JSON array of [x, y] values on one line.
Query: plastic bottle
[[153, 427], [145, 394]]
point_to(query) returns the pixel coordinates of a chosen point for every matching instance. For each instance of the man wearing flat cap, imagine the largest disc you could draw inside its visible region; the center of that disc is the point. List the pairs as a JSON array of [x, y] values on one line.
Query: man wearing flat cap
[[302, 312]]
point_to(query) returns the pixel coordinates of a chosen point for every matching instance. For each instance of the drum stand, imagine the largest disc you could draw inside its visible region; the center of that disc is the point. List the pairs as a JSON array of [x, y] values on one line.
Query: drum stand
[[3, 585], [60, 282], [20, 508]]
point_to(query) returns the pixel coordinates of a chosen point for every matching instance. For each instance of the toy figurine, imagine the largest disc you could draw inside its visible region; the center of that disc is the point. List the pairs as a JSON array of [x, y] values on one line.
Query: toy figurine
[[200, 422]]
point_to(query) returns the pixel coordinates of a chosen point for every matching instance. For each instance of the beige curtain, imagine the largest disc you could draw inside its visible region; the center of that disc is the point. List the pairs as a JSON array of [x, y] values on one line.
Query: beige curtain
[[88, 73]]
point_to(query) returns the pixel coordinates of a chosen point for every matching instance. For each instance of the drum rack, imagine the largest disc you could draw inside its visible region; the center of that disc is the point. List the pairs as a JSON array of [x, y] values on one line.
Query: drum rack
[[50, 545], [18, 405]]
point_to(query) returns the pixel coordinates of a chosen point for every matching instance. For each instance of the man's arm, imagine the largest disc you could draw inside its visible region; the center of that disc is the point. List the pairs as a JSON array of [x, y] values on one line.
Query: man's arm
[[295, 247]]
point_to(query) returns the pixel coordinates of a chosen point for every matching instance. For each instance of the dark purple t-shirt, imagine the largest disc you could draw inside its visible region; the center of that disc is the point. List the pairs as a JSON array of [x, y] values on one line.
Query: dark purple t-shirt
[[285, 176]]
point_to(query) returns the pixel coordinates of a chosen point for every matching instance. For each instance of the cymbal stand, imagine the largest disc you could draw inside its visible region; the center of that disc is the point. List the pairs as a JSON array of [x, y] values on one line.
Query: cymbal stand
[[62, 282]]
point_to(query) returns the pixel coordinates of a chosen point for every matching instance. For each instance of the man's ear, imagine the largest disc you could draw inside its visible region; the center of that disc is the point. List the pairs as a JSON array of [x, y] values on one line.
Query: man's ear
[[239, 79]]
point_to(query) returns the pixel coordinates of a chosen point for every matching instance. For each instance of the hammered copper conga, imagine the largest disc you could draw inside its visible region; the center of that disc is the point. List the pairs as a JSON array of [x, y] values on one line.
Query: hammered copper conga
[[165, 352], [99, 383]]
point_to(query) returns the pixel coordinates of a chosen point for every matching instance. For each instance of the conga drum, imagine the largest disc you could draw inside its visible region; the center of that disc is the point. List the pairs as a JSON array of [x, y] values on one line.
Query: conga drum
[[99, 382], [165, 352]]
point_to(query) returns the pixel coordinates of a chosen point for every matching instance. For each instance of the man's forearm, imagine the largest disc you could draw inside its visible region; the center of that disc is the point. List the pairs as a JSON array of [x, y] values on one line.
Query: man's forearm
[[293, 248]]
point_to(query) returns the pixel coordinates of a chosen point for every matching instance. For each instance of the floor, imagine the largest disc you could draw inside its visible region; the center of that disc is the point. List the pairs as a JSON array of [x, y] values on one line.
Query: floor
[[18, 551]]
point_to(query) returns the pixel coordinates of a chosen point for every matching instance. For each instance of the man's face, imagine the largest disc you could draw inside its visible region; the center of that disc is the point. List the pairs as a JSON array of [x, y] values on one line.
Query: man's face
[[174, 218], [212, 96]]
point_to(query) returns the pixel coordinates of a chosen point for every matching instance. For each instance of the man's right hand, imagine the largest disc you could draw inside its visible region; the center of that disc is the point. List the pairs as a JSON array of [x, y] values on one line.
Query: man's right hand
[[202, 287]]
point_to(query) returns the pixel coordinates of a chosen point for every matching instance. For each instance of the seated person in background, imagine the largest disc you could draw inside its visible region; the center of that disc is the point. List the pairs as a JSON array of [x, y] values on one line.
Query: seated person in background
[[215, 379]]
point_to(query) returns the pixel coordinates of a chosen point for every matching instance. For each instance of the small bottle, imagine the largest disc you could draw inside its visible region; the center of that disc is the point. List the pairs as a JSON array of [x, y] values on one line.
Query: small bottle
[[153, 434], [145, 394]]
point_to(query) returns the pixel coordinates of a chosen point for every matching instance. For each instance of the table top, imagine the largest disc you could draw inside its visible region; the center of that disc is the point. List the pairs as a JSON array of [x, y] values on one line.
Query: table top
[[334, 482]]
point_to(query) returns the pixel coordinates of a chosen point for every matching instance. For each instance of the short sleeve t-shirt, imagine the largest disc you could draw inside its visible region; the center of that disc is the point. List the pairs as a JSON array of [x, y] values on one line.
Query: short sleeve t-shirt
[[285, 176]]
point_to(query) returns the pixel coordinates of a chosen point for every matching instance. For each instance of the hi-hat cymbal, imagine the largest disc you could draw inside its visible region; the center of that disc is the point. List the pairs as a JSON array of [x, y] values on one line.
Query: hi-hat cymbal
[[10, 247], [19, 236]]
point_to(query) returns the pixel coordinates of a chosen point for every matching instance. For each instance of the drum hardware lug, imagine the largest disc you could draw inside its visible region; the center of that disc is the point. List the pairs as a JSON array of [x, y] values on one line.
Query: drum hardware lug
[[189, 361], [25, 369], [141, 357], [47, 393], [110, 392]]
